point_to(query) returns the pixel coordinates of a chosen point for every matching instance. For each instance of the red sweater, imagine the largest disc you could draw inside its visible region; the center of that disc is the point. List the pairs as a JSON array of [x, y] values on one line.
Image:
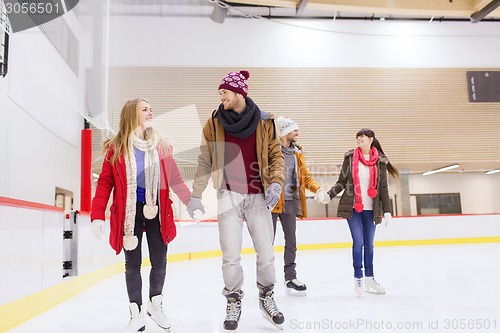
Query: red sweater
[[241, 168]]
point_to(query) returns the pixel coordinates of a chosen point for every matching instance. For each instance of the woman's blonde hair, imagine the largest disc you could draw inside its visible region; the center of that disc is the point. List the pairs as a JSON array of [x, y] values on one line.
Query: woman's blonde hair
[[129, 121]]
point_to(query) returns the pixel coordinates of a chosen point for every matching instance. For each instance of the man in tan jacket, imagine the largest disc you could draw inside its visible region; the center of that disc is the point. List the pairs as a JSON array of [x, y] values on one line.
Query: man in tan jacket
[[242, 154], [292, 202]]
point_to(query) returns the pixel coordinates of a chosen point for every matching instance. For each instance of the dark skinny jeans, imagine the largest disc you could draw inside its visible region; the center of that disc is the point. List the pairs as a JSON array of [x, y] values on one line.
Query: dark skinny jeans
[[157, 256]]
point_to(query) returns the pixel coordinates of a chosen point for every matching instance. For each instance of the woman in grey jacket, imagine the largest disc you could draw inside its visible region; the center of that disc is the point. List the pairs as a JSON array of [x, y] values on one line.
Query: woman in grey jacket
[[365, 200]]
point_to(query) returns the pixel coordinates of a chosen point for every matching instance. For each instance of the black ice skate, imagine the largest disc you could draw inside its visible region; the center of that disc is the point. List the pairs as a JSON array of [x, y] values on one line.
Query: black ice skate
[[269, 309], [295, 288], [233, 312]]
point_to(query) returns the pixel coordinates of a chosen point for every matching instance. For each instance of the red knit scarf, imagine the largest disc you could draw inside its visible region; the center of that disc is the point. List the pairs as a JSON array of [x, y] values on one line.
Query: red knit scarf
[[372, 165]]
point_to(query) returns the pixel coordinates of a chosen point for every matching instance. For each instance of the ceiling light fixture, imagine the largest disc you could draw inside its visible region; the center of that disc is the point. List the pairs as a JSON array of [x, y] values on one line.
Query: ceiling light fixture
[[454, 166], [219, 13], [493, 171]]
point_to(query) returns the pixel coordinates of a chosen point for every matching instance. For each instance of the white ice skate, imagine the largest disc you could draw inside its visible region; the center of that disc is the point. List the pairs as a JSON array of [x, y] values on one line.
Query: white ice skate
[[137, 322], [370, 283], [155, 311], [358, 286]]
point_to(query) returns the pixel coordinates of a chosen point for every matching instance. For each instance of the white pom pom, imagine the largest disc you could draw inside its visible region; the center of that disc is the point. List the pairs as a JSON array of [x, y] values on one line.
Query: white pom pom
[[130, 242], [150, 212]]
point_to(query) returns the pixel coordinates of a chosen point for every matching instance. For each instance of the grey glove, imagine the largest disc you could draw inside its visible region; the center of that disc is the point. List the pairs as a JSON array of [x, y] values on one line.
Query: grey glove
[[272, 195], [193, 205]]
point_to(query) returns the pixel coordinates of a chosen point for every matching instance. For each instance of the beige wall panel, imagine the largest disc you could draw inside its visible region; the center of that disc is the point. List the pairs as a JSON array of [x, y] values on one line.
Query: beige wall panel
[[422, 117]]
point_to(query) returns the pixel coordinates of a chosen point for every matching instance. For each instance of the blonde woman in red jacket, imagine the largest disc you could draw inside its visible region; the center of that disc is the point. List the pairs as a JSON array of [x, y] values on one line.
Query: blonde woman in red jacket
[[139, 168]]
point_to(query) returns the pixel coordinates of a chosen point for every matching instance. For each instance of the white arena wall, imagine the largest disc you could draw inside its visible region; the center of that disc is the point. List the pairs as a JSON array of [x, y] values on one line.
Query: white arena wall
[[239, 43]]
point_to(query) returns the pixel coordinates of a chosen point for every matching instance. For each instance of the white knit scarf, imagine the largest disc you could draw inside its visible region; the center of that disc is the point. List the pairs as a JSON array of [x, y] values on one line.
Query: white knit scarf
[[152, 177]]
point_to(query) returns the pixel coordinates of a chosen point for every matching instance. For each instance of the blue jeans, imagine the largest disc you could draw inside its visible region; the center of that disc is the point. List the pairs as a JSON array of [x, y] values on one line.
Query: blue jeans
[[363, 233]]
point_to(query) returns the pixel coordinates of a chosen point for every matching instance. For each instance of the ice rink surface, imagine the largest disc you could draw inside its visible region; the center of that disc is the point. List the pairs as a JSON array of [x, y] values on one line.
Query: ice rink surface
[[430, 288]]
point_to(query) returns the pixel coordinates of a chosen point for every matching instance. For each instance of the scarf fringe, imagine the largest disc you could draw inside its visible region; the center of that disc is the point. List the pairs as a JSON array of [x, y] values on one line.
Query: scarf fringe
[[152, 175], [372, 165]]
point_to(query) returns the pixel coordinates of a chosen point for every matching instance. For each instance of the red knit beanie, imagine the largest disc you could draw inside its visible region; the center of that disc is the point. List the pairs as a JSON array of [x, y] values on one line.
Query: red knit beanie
[[236, 82]]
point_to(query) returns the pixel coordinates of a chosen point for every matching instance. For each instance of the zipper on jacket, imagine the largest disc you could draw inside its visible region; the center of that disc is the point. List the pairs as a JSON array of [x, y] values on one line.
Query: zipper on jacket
[[121, 184]]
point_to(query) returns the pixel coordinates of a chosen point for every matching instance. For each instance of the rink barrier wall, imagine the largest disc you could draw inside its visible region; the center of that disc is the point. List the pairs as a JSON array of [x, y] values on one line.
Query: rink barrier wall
[[97, 261]]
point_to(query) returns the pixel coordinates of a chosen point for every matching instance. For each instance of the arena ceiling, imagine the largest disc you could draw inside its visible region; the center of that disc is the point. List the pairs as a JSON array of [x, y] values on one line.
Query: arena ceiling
[[457, 10]]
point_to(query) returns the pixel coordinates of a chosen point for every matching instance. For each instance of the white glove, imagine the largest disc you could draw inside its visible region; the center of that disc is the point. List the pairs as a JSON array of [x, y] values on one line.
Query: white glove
[[98, 229], [272, 195], [322, 196], [387, 218], [197, 214]]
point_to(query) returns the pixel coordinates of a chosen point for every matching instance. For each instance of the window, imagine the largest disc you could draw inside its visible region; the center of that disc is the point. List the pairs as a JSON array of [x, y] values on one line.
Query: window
[[441, 203], [64, 199]]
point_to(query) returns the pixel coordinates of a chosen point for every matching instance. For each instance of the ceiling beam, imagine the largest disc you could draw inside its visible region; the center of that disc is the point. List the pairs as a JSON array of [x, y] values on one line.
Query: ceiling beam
[[481, 14], [423, 8], [268, 3], [455, 8], [301, 7]]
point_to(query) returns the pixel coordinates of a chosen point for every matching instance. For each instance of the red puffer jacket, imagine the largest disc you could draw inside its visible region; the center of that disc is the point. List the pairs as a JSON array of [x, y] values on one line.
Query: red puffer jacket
[[113, 177]]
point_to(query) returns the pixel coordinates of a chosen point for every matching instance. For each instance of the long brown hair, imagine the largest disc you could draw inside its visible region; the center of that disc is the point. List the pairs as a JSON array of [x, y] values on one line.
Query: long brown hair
[[129, 121], [375, 143]]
